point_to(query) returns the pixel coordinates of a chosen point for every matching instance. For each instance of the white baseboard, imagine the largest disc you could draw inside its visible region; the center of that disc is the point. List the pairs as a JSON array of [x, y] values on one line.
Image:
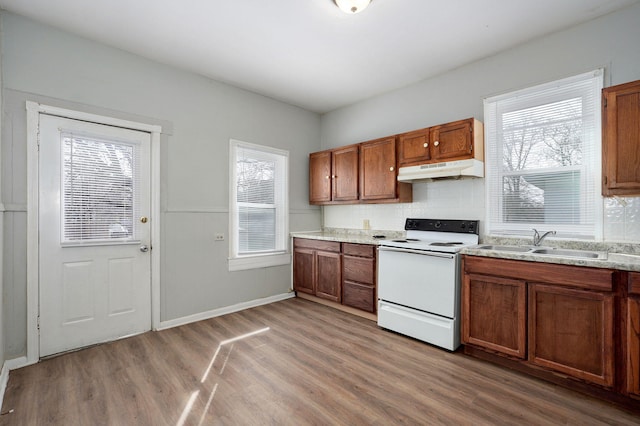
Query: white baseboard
[[223, 311], [19, 362], [4, 379]]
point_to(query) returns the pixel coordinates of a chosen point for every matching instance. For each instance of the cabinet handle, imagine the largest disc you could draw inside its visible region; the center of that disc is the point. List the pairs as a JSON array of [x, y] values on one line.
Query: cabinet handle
[[425, 145], [391, 168], [436, 143]]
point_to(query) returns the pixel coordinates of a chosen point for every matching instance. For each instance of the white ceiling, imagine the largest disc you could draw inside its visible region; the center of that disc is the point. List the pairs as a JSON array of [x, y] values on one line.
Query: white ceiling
[[307, 52]]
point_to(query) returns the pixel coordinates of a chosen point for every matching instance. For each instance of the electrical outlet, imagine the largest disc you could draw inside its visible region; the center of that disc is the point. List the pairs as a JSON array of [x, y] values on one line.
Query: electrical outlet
[[219, 237]]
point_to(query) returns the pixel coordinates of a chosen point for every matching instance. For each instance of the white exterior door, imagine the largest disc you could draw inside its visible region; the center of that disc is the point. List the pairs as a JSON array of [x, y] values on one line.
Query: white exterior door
[[94, 233]]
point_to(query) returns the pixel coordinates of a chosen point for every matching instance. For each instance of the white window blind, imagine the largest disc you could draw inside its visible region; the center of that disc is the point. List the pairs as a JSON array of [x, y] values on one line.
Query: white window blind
[[259, 200], [99, 190], [543, 158]]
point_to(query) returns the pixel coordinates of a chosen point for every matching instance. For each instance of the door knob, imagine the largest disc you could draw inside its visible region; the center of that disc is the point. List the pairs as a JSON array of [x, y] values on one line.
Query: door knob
[[436, 143], [144, 248], [143, 219]]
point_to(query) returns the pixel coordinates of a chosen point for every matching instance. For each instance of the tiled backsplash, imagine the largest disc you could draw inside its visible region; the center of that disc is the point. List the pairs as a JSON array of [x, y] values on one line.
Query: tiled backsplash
[[622, 219], [464, 199], [443, 199]]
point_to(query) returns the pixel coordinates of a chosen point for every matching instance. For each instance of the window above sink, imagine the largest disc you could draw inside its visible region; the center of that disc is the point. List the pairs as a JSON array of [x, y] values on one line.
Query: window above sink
[[543, 158]]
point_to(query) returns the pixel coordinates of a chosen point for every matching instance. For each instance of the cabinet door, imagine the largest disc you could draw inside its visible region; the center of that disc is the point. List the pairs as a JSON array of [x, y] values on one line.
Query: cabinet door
[[345, 173], [413, 148], [452, 141], [621, 139], [378, 169], [633, 345], [494, 314], [304, 270], [571, 331], [319, 177], [328, 275]]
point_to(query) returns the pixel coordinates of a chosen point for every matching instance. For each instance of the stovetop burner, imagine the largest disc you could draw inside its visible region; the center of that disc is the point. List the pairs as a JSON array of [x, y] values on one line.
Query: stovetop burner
[[405, 240], [448, 236]]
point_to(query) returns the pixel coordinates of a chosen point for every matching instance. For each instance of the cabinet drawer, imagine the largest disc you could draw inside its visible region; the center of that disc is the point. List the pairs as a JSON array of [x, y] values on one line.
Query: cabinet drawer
[[360, 296], [634, 283], [358, 269], [362, 250], [317, 244]]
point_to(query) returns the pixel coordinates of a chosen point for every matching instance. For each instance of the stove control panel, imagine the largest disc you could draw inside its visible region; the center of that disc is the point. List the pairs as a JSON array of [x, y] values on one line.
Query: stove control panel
[[443, 225]]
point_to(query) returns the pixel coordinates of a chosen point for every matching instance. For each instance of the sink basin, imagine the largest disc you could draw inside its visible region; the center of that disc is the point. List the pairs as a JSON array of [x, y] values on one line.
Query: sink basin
[[549, 251], [505, 248], [568, 253]]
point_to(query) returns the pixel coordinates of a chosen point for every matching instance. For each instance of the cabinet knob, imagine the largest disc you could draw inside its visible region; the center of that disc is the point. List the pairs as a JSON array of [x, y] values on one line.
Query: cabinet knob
[[436, 143], [326, 177], [391, 168], [333, 177], [425, 145]]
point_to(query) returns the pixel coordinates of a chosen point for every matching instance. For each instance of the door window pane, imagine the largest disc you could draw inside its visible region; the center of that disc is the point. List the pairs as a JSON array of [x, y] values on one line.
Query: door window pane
[[98, 190]]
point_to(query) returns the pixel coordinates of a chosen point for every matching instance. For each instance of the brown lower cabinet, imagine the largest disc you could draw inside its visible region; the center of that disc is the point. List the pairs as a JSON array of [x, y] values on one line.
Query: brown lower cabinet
[[495, 314], [340, 272], [632, 335], [359, 276], [571, 331], [557, 317], [317, 268]]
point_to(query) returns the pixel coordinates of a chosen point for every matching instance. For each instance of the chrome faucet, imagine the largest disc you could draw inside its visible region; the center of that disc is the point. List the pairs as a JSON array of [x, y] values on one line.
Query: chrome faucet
[[537, 238]]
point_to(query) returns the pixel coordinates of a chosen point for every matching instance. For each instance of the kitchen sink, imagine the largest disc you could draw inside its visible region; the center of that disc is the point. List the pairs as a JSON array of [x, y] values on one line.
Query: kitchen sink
[[568, 253], [505, 248], [548, 251]]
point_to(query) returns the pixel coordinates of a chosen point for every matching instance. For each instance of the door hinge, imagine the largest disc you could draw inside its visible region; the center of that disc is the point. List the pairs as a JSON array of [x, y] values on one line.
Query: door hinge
[[38, 322], [605, 180], [605, 102]]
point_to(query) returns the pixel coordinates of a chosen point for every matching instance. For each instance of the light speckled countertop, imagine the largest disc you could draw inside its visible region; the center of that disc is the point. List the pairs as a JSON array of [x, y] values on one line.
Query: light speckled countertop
[[356, 236], [621, 261], [624, 256]]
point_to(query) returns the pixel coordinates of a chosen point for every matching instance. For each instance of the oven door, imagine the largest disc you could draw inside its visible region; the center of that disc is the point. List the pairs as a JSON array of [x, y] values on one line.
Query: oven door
[[423, 280]]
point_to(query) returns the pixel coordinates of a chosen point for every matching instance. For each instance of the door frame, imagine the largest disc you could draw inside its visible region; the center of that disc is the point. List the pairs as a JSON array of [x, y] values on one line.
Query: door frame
[[34, 110]]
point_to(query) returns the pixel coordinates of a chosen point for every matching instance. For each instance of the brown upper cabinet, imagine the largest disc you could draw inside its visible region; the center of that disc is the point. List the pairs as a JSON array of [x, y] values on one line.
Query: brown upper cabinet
[[457, 140], [360, 173], [333, 175], [413, 148], [378, 171], [621, 139]]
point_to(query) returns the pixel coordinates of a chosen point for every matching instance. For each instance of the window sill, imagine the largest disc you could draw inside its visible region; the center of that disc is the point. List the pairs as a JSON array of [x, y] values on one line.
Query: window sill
[[255, 262]]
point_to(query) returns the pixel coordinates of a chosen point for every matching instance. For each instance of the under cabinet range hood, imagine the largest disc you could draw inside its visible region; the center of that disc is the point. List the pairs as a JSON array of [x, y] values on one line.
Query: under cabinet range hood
[[448, 169]]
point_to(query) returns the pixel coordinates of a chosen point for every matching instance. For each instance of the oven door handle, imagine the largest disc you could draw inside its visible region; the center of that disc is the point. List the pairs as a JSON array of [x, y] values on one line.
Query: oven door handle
[[421, 252]]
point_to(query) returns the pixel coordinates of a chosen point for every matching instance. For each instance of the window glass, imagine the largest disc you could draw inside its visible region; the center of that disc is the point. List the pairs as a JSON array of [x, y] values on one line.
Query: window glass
[[259, 200], [99, 190], [543, 161]]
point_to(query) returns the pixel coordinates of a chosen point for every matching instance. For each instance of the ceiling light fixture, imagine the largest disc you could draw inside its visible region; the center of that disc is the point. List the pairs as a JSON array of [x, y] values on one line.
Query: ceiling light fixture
[[352, 6]]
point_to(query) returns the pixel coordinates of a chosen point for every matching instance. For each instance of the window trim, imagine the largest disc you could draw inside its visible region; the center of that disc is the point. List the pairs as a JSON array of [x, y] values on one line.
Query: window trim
[[281, 254], [593, 166]]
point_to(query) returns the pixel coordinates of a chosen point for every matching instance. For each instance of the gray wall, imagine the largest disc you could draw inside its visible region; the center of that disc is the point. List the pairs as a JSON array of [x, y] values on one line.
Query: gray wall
[[610, 42], [200, 116], [2, 217]]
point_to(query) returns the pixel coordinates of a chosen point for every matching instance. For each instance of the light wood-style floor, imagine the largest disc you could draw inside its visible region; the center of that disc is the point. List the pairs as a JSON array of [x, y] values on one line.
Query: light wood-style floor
[[293, 362]]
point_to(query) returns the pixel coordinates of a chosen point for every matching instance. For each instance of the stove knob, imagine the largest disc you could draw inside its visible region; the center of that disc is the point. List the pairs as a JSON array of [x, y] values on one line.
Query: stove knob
[[438, 224]]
